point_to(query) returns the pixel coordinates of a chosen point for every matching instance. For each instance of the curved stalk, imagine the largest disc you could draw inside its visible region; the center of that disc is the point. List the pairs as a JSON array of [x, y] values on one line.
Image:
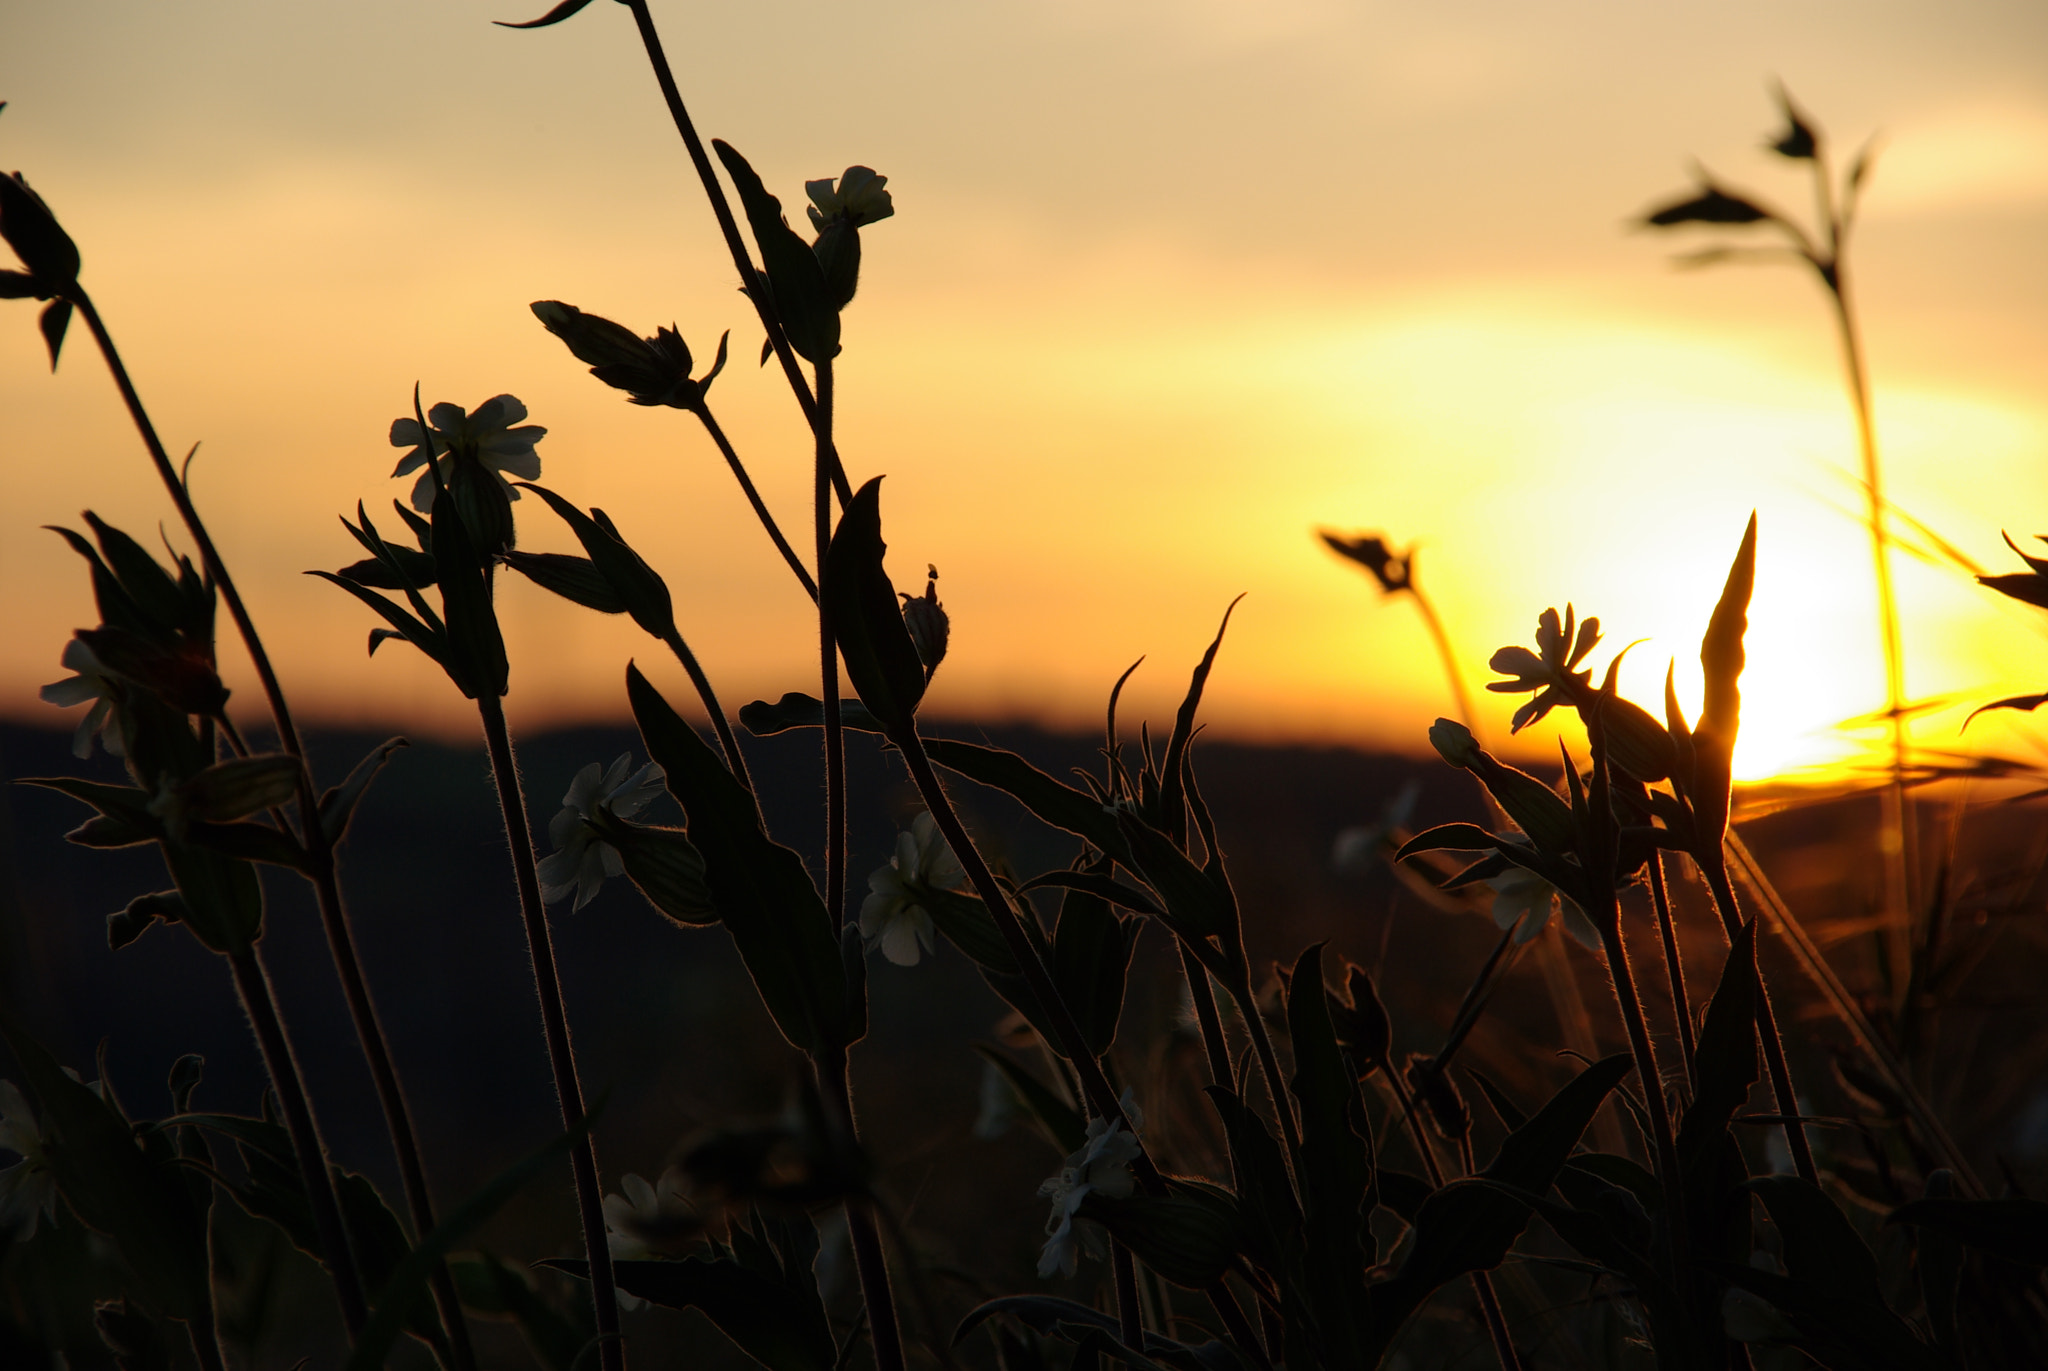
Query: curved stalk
[[828, 665], [547, 984], [751, 280], [259, 1001], [726, 741], [760, 506], [334, 922]]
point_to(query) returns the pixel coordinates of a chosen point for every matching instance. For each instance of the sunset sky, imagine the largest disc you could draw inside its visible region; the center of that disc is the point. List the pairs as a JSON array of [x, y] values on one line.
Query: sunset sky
[[1170, 285]]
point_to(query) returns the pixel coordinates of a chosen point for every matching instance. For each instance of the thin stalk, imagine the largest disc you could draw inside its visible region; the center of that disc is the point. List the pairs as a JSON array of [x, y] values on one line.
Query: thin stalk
[[1653, 1086], [750, 279], [1482, 1285], [334, 923], [739, 471], [1773, 1042], [258, 997], [1411, 1117], [547, 984], [1852, 1016], [1466, 712], [828, 666], [726, 742], [1130, 1319], [885, 1333], [1269, 1067], [1674, 967]]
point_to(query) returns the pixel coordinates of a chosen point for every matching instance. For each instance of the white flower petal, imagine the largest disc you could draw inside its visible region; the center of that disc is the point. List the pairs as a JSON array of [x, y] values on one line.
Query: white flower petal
[[449, 418], [405, 433], [73, 690]]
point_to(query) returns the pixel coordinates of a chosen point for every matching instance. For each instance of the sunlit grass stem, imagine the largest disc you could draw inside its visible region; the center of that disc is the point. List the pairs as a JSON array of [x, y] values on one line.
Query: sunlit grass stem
[[313, 838], [547, 983]]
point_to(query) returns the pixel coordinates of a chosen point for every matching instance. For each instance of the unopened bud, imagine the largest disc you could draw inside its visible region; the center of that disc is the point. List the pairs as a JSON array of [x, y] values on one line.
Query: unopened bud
[[926, 619], [1454, 742]]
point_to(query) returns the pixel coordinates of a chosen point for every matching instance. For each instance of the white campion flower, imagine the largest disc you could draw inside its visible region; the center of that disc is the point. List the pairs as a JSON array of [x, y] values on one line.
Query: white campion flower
[[487, 435], [28, 1192], [893, 915], [1101, 1167], [1520, 893], [650, 1221], [582, 858], [90, 683]]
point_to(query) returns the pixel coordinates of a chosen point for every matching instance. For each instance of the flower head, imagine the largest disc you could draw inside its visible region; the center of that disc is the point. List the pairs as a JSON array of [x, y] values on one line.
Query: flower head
[[860, 198], [1551, 671], [1394, 571], [1102, 1166], [92, 682], [652, 371], [28, 1192], [650, 1221], [894, 915], [487, 437], [598, 796], [1519, 893]]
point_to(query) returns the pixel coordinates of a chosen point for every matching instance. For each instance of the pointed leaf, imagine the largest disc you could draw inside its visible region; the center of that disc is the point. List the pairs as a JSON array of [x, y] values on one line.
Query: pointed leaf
[[338, 804], [860, 603]]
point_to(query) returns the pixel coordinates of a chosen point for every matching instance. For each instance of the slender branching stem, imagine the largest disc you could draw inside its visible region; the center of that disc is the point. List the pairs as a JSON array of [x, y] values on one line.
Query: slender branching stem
[[252, 984], [1130, 1318], [1852, 1016], [828, 668], [751, 280], [1773, 1042], [1482, 1286], [739, 471], [1645, 1053], [1203, 996], [334, 923], [1674, 966], [1447, 656], [886, 1334], [547, 983], [726, 741]]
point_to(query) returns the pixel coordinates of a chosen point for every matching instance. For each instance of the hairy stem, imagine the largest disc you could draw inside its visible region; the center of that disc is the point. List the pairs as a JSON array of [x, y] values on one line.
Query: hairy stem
[[739, 471], [828, 668], [1653, 1086], [1674, 966], [751, 280], [726, 741], [547, 983], [1482, 1286], [334, 922], [869, 1262], [259, 1001], [1203, 996], [1775, 1065], [1130, 1319]]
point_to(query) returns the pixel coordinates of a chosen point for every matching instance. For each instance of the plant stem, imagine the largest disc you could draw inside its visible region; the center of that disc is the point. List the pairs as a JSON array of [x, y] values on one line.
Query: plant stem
[[1130, 1318], [1852, 1016], [726, 741], [828, 667], [1203, 996], [1269, 1066], [739, 471], [547, 984], [1674, 967], [750, 279], [1466, 712], [1653, 1087], [1773, 1042], [1482, 1286], [886, 1334], [334, 923], [204, 1332], [258, 997]]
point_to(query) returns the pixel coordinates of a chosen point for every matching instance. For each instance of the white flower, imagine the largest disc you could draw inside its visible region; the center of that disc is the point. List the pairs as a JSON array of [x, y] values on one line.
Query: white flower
[[893, 915], [650, 1221], [1519, 891], [1101, 1167], [27, 1190], [582, 858], [91, 683], [859, 197], [487, 435]]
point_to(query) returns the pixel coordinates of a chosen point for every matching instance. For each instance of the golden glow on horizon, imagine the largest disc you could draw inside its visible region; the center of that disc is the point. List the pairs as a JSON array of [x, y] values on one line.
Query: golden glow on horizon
[[1109, 390]]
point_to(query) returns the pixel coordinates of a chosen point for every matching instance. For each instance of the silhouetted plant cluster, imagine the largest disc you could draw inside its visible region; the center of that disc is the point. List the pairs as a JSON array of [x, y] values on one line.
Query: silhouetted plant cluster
[[1304, 1242]]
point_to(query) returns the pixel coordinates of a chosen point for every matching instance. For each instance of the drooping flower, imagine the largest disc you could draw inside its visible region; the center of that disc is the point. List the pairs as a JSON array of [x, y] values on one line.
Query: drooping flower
[[650, 1221], [1519, 893], [893, 916], [1101, 1167], [91, 682], [28, 1192], [582, 858], [487, 436], [860, 198]]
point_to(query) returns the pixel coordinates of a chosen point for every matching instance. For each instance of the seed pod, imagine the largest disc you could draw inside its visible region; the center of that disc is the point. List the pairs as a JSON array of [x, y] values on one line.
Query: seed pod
[[927, 622]]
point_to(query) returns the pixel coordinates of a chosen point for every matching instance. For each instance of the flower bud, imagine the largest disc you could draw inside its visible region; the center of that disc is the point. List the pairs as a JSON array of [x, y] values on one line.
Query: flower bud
[[1454, 742], [182, 676], [926, 619], [34, 234]]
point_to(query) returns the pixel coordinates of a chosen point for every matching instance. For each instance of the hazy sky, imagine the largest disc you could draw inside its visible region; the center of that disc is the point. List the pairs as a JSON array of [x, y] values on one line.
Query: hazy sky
[[1169, 286]]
